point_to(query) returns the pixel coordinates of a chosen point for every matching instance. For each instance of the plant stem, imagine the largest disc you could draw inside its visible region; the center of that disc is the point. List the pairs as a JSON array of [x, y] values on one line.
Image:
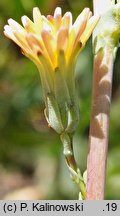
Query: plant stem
[[99, 126], [75, 173]]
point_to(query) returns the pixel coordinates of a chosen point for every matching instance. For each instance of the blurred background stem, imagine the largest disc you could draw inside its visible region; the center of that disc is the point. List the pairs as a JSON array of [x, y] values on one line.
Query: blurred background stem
[[99, 125]]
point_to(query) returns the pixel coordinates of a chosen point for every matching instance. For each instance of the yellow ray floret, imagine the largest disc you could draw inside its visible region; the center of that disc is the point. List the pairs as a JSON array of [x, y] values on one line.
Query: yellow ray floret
[[50, 35]]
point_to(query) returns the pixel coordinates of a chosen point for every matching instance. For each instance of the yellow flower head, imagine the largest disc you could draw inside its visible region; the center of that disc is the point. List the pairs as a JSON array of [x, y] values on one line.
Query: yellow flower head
[[53, 43], [44, 37]]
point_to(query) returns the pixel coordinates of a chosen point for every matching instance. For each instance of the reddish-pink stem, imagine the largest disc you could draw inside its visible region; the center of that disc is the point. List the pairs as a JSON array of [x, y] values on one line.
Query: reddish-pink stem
[[98, 138], [99, 124]]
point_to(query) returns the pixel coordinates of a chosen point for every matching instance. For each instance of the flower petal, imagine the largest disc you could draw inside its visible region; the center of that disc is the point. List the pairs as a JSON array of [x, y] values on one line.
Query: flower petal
[[67, 20], [80, 23], [89, 28], [37, 16], [28, 24], [77, 30], [15, 36], [22, 41], [46, 24], [57, 18], [62, 39], [49, 44], [18, 30], [16, 26], [34, 43], [58, 12], [50, 18], [8, 31]]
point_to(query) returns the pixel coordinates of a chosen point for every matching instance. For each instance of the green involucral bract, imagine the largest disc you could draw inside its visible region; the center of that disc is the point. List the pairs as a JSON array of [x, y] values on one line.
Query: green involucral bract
[[62, 109]]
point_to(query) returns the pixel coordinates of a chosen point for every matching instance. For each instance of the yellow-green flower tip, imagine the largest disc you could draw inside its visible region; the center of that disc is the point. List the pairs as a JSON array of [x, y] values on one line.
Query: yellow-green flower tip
[[48, 35]]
